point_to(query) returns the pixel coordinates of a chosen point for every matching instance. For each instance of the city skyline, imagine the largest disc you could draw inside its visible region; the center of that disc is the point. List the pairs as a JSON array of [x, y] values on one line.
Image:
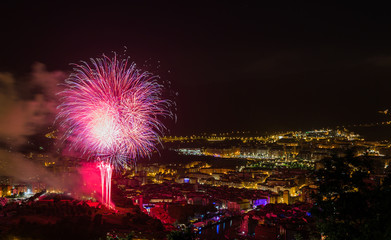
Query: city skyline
[[194, 120]]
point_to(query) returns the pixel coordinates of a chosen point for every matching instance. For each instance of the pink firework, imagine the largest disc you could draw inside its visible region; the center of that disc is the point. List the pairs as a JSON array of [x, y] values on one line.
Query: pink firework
[[111, 110]]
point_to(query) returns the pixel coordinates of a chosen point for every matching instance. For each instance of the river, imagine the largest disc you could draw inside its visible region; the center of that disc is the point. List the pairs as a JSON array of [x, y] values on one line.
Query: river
[[224, 230]]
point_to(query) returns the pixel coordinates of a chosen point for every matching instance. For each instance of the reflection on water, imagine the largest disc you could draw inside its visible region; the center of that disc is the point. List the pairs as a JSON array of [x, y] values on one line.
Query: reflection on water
[[221, 230]]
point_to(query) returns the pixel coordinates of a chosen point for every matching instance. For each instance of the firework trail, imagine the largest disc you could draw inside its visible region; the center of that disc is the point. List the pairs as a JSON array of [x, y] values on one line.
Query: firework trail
[[110, 111], [106, 171]]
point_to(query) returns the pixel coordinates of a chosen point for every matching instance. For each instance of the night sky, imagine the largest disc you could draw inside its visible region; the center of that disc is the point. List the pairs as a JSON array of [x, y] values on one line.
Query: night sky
[[235, 66]]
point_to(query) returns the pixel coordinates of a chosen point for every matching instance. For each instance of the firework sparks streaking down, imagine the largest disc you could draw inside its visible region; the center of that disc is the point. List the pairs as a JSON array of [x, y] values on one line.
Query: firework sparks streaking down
[[106, 172], [111, 110]]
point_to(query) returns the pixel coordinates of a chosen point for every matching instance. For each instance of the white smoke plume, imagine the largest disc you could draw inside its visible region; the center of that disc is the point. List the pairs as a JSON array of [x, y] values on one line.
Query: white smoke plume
[[27, 108], [23, 170], [20, 117]]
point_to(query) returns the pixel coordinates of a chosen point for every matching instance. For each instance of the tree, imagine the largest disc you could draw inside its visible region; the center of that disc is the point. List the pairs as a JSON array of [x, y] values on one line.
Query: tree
[[180, 235], [348, 205], [114, 236]]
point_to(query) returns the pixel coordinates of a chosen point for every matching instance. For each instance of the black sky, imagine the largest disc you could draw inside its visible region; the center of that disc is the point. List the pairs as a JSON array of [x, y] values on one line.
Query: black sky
[[236, 66]]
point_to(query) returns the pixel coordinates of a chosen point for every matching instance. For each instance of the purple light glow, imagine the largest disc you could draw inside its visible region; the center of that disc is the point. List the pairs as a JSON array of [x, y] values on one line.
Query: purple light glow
[[258, 202]]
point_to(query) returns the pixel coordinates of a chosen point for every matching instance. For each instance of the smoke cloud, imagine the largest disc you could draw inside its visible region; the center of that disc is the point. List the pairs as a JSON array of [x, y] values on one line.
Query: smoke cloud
[[23, 170], [27, 111], [28, 108], [13, 114]]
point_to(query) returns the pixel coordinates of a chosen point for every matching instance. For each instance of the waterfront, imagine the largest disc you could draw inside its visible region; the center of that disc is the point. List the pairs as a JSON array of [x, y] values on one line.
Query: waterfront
[[229, 229]]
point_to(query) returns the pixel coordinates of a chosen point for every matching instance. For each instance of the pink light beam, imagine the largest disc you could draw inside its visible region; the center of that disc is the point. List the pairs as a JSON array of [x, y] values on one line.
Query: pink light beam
[[106, 173]]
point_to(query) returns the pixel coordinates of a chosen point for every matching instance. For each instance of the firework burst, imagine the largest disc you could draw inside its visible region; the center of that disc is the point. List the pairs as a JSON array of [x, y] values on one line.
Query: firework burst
[[111, 110]]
